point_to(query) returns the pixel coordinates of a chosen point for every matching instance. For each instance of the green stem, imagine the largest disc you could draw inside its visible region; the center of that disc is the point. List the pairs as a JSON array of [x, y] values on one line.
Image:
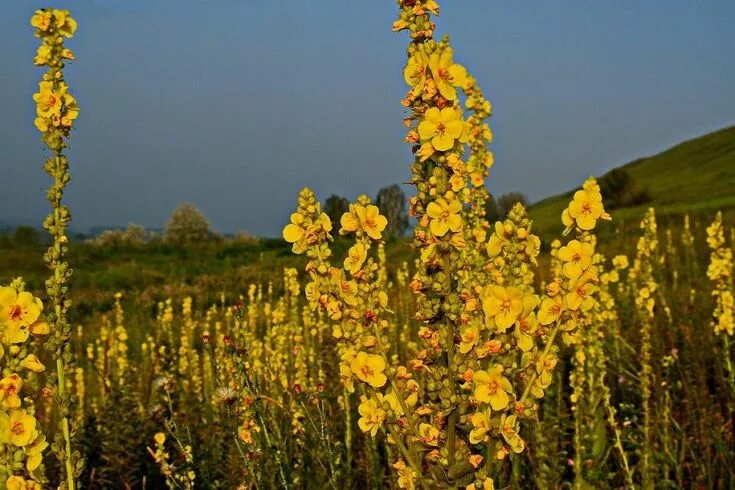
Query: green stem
[[70, 483]]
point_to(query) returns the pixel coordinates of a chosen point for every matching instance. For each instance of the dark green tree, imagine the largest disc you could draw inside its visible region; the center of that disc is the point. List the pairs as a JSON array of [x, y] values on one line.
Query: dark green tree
[[334, 207], [392, 204], [26, 236], [187, 225], [507, 200], [620, 190], [492, 213]]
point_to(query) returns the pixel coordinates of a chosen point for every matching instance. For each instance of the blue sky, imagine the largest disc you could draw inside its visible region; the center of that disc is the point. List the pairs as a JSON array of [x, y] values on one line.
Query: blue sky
[[235, 105]]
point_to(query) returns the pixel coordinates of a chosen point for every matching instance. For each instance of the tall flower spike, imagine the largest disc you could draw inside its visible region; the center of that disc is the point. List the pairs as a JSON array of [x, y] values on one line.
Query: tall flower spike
[[56, 113]]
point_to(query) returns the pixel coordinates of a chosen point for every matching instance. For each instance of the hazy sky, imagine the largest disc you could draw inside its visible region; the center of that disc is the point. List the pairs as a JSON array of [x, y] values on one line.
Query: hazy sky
[[235, 105]]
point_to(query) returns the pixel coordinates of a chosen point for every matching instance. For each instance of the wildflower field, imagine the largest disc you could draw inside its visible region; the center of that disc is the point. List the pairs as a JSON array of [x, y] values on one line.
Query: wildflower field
[[476, 354]]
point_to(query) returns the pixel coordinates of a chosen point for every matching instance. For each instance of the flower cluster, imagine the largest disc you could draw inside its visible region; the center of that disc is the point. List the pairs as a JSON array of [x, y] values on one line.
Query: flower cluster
[[56, 108], [720, 272], [21, 320], [486, 347]]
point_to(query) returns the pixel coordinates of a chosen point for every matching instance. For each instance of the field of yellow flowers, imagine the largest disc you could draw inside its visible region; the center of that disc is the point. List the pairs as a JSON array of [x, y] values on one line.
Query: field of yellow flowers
[[490, 360]]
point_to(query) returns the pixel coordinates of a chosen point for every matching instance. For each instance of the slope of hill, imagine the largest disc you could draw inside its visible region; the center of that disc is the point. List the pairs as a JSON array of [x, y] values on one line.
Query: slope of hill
[[696, 176]]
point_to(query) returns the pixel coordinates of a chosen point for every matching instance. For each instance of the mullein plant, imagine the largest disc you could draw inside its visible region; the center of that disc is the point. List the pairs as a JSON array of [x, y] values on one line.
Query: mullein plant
[[21, 442], [486, 349], [642, 275], [56, 111], [720, 272]]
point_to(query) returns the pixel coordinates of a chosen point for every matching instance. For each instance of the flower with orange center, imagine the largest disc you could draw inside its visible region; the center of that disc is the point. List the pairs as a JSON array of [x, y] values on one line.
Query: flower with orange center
[[502, 305], [18, 428], [429, 434], [580, 295], [369, 369], [527, 323], [41, 20], [586, 207], [9, 388], [18, 309], [416, 71], [355, 258], [441, 127], [509, 431], [445, 216], [371, 416], [550, 310], [492, 387], [446, 73], [372, 222], [364, 218], [48, 101], [481, 423], [469, 335], [577, 258]]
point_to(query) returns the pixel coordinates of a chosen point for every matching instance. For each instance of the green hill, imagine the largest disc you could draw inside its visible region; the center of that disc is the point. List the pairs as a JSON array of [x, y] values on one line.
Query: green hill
[[696, 177]]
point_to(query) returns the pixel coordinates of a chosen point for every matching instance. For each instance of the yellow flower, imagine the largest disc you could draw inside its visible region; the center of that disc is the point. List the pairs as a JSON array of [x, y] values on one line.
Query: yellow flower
[[42, 55], [294, 232], [371, 221], [348, 291], [18, 428], [369, 369], [469, 335], [527, 323], [446, 73], [64, 23], [586, 208], [577, 258], [497, 240], [481, 422], [349, 221], [48, 101], [365, 218], [503, 305], [39, 327], [355, 258], [18, 309], [580, 294], [441, 127], [492, 387], [444, 216], [371, 416], [415, 71], [71, 110], [34, 452], [32, 363], [41, 20], [9, 388], [406, 476], [620, 262], [19, 483], [509, 431], [429, 434], [160, 438], [550, 310]]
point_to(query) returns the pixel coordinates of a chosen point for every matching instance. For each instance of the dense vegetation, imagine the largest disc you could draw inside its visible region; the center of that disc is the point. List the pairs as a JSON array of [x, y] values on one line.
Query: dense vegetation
[[476, 355]]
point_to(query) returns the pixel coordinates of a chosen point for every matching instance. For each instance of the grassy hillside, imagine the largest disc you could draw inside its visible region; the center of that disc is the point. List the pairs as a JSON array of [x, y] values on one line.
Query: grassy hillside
[[696, 176]]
